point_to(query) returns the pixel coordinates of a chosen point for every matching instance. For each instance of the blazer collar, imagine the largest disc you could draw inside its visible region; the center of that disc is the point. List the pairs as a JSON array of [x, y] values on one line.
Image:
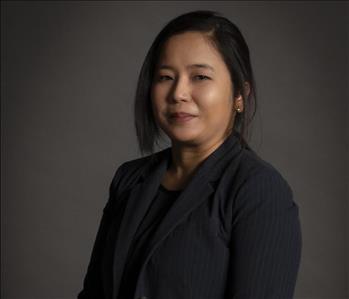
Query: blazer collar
[[226, 150], [199, 188]]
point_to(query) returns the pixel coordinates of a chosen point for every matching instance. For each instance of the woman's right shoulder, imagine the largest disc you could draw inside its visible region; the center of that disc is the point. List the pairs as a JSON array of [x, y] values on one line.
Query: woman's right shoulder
[[128, 172]]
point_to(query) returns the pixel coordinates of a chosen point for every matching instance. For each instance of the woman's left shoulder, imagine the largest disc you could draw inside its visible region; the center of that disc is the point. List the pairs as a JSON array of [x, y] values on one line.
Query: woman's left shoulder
[[259, 176], [254, 187]]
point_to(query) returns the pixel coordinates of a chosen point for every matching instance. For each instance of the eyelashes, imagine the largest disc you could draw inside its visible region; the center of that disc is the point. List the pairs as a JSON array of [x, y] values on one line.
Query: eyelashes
[[202, 77], [197, 78]]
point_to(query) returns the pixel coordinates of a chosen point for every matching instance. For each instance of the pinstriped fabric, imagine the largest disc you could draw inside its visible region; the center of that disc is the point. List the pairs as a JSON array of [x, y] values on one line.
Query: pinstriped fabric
[[266, 239], [192, 261], [241, 241], [261, 261]]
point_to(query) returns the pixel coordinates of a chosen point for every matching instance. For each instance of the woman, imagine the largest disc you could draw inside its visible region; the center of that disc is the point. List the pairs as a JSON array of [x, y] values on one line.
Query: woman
[[206, 217]]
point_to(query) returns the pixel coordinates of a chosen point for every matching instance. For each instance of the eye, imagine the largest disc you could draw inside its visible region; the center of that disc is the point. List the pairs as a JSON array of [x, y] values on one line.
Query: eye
[[202, 77], [163, 78]]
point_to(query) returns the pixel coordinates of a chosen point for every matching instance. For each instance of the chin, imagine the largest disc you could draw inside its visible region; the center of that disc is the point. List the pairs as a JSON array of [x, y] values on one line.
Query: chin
[[183, 136]]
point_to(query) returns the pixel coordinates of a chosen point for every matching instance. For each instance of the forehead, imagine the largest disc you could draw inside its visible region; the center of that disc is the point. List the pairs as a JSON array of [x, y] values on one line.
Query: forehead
[[190, 48]]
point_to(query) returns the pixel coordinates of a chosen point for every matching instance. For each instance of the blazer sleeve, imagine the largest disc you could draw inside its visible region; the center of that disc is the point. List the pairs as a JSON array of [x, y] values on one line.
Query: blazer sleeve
[[266, 240], [92, 284]]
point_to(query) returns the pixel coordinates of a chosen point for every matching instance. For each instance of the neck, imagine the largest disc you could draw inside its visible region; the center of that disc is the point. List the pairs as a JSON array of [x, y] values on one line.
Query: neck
[[185, 159]]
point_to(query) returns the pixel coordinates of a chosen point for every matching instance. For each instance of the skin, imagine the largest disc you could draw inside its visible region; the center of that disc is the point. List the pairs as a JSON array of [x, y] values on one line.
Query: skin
[[206, 93]]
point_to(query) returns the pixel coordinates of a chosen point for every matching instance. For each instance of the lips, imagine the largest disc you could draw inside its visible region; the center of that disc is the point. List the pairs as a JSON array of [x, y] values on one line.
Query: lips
[[181, 115]]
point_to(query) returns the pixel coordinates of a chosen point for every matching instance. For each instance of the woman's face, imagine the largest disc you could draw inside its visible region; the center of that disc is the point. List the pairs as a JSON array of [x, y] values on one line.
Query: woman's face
[[192, 77]]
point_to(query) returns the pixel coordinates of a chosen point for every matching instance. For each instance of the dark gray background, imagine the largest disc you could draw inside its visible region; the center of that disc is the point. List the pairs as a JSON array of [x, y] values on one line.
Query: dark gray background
[[68, 77]]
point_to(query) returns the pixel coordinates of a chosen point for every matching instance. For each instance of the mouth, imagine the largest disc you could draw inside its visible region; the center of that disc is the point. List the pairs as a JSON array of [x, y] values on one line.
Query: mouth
[[181, 114], [182, 117]]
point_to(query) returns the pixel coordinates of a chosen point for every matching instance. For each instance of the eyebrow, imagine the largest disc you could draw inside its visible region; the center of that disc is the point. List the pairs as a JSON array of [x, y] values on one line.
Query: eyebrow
[[196, 65]]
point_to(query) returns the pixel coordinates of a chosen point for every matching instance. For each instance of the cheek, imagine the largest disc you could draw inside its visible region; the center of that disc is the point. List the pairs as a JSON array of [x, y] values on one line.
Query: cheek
[[158, 96], [158, 103], [214, 102]]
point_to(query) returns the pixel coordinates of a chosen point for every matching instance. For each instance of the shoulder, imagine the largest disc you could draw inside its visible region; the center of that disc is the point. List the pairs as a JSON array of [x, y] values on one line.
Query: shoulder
[[259, 182], [124, 177], [129, 171], [253, 169], [253, 188]]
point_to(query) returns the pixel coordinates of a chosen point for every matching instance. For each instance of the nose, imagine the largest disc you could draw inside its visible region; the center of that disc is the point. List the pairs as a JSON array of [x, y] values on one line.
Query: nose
[[181, 90]]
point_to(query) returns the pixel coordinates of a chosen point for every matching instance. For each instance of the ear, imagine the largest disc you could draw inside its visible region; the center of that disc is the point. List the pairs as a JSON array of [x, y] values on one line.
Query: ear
[[246, 91], [239, 102]]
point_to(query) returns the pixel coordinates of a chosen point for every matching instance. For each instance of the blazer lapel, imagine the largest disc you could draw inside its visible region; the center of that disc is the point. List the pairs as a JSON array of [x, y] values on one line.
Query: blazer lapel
[[197, 191], [141, 195], [138, 202]]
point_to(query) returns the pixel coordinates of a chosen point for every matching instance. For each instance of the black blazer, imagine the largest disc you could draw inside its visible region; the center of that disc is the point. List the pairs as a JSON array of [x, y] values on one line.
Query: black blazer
[[234, 232]]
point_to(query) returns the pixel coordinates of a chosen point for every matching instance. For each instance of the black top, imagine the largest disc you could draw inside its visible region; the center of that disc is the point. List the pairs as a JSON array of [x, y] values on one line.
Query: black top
[[158, 209]]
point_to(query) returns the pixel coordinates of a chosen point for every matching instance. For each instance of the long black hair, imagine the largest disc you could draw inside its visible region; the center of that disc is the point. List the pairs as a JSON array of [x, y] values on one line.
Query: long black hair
[[229, 42]]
